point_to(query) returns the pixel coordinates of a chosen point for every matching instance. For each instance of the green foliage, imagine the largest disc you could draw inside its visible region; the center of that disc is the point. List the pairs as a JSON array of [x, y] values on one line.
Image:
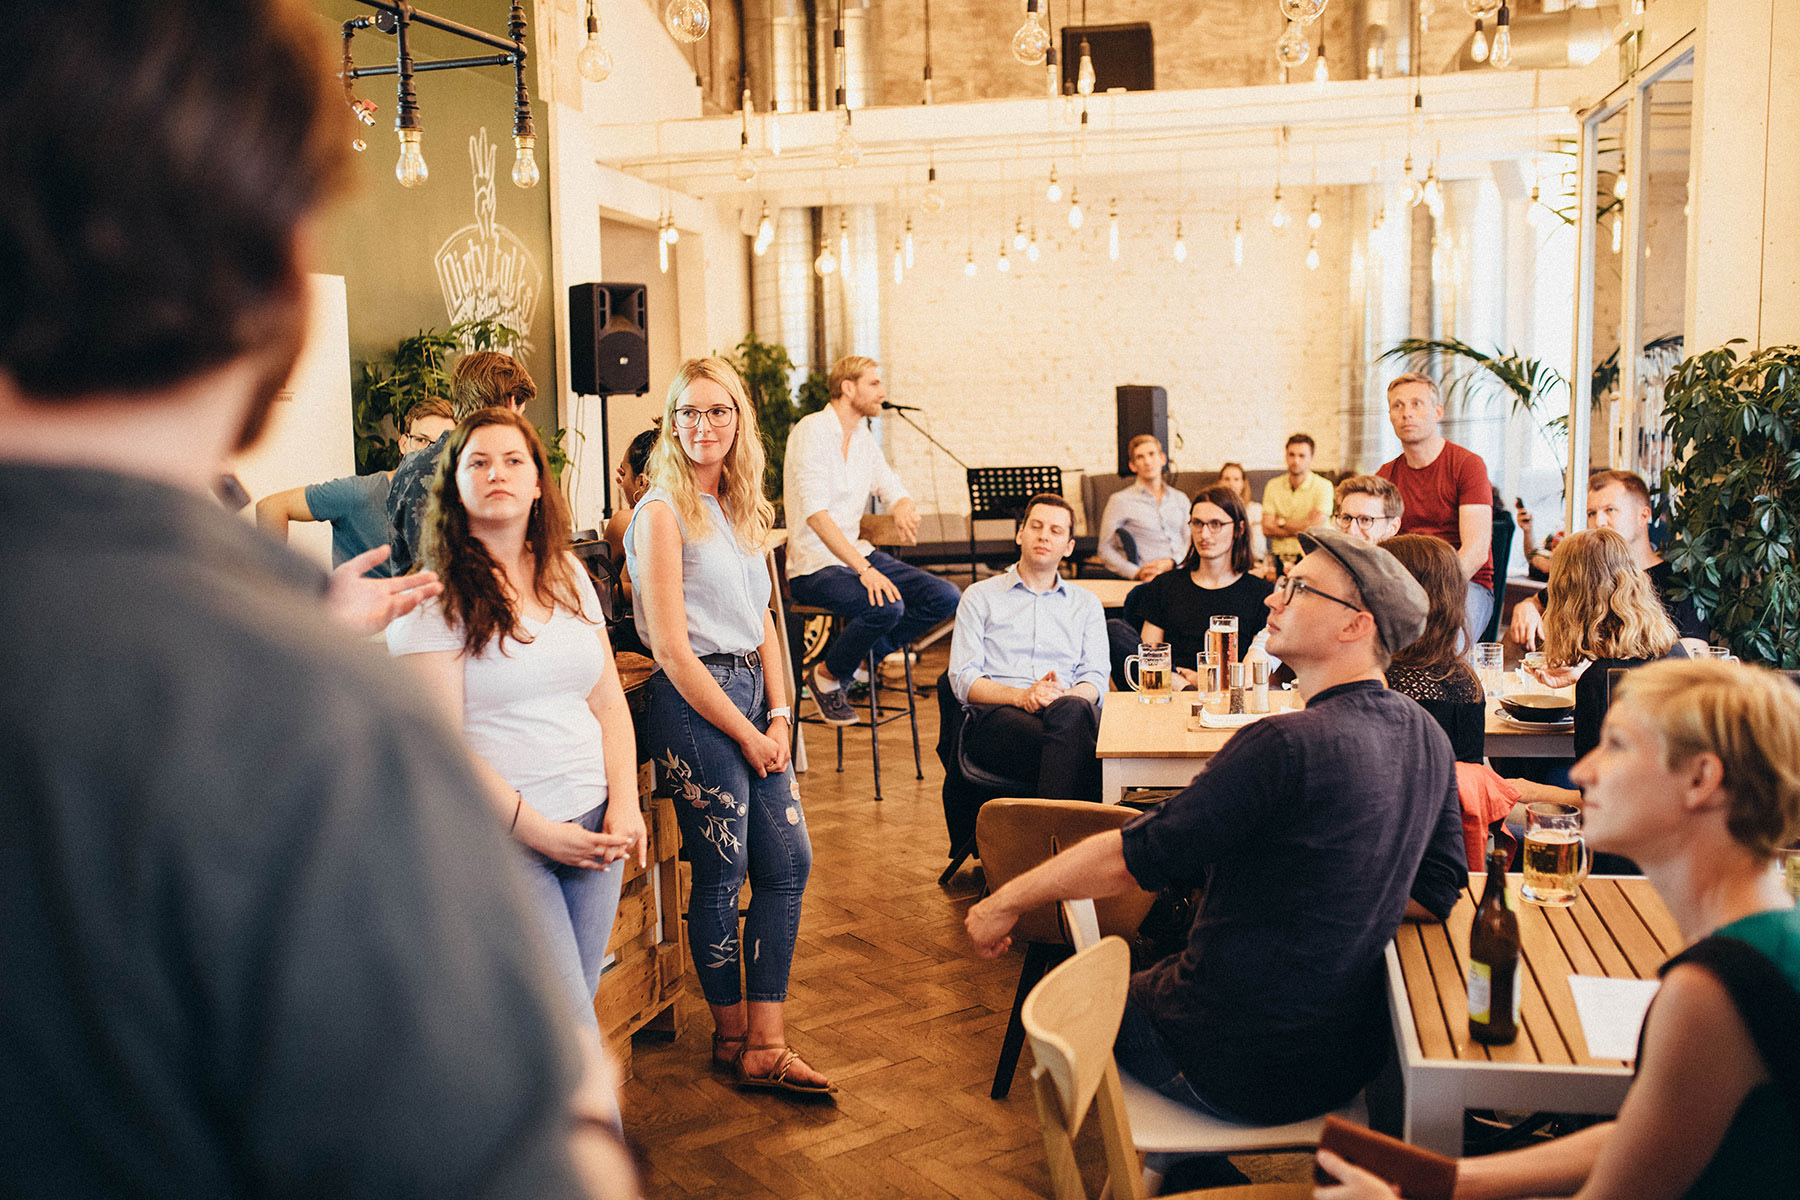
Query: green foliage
[[1734, 440], [766, 369], [383, 395], [1530, 384]]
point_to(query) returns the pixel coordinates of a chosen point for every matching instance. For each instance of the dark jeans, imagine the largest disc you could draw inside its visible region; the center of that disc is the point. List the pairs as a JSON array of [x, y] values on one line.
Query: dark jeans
[[1054, 746], [1141, 1053], [925, 600]]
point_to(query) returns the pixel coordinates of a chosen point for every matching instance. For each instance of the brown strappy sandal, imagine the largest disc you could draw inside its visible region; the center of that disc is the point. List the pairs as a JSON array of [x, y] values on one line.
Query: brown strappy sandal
[[722, 1061], [776, 1078]]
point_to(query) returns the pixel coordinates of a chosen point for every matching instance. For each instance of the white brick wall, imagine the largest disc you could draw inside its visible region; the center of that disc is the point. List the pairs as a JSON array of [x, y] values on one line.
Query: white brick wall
[[1020, 368]]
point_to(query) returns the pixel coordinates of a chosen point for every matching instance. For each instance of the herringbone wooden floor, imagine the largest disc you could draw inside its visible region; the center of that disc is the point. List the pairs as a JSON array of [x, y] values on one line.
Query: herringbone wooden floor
[[887, 999]]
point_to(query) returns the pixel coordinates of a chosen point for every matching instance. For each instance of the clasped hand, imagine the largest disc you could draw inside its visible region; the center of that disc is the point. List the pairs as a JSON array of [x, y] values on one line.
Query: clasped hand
[[1043, 693], [568, 843]]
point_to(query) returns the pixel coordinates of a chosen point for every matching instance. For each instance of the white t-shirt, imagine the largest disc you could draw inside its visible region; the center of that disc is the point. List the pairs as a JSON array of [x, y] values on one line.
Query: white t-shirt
[[525, 710]]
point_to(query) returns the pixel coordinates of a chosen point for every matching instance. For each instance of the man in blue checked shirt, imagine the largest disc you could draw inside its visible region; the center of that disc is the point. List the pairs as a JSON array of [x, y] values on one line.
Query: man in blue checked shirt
[[1029, 658]]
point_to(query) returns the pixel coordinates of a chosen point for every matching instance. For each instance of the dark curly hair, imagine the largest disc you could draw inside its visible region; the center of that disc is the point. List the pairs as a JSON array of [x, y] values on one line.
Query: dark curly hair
[[475, 596]]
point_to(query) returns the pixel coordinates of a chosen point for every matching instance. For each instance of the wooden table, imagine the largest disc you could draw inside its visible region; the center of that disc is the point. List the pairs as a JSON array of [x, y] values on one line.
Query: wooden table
[[1506, 740], [1619, 928], [1111, 591], [1149, 745]]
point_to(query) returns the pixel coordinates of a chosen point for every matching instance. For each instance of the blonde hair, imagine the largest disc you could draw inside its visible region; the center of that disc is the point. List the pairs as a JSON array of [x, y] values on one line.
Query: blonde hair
[[1437, 397], [847, 369], [1749, 717], [740, 484], [1601, 604]]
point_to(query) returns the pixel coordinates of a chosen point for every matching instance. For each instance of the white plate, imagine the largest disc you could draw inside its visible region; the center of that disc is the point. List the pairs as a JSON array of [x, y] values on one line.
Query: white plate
[[1567, 722]]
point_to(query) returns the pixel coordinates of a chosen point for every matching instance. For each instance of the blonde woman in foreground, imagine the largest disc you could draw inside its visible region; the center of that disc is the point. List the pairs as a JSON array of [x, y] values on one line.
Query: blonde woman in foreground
[[1697, 779], [719, 719]]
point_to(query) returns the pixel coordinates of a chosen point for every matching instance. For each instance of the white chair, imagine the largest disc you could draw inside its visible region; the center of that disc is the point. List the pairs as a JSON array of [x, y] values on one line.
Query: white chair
[[1072, 1017], [1163, 1126]]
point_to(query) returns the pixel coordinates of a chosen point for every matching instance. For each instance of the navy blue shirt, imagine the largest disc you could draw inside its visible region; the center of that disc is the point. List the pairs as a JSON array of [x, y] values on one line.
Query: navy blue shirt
[[1308, 832]]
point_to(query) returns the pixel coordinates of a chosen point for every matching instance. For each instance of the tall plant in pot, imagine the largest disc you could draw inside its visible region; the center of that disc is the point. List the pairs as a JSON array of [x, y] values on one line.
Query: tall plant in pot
[[1734, 488]]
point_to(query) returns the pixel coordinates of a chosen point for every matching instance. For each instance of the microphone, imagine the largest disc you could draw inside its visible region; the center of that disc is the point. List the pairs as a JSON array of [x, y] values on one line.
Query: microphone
[[892, 407]]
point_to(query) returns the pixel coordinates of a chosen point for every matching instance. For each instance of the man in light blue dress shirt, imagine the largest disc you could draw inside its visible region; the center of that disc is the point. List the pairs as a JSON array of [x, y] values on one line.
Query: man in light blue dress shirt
[[1029, 657], [1153, 514]]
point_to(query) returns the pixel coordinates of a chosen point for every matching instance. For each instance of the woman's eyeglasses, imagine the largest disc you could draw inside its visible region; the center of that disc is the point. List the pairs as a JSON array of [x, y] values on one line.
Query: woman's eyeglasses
[[1289, 587], [718, 418]]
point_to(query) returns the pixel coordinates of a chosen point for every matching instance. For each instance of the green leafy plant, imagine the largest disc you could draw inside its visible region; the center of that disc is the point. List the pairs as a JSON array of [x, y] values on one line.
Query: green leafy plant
[[766, 369], [1529, 384], [1734, 496], [384, 394]]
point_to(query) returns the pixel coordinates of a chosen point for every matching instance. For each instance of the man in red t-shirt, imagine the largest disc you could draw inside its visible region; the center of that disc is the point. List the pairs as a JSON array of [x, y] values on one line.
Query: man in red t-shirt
[[1446, 490]]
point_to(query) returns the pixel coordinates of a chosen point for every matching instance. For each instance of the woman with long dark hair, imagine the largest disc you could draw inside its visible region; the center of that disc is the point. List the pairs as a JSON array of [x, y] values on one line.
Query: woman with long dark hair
[[517, 653], [719, 718], [1432, 670]]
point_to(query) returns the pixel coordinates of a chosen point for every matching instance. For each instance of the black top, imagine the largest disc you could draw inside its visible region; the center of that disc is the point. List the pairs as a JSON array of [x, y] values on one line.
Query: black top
[[1308, 831], [262, 934], [1453, 697], [1683, 612], [1593, 695], [1183, 609], [406, 498]]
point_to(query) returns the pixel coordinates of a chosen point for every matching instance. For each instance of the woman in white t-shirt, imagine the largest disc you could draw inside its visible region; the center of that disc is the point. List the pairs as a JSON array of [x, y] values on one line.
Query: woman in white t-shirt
[[516, 651]]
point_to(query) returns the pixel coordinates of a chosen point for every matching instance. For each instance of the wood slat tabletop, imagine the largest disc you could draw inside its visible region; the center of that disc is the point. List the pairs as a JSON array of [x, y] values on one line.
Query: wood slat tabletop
[[1618, 928]]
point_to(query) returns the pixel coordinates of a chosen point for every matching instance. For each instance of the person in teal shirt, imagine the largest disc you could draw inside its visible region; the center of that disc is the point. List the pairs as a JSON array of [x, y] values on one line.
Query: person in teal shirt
[[1697, 779]]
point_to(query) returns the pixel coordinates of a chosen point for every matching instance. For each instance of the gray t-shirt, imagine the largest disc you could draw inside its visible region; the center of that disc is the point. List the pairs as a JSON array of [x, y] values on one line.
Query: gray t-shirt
[[262, 935]]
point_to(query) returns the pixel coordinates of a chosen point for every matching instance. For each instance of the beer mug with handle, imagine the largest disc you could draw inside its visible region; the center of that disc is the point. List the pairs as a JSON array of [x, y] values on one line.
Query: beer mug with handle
[[1155, 665], [1556, 858]]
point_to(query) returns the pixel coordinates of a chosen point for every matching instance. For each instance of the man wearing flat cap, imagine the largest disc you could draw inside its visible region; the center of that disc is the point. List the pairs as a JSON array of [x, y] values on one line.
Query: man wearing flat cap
[[1313, 833]]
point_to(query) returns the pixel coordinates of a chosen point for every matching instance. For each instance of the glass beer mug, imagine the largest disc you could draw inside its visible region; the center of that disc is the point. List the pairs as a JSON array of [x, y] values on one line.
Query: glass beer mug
[[1154, 665], [1556, 859]]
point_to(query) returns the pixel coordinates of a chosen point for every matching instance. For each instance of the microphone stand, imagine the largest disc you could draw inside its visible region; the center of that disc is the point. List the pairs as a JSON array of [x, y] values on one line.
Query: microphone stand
[[901, 413]]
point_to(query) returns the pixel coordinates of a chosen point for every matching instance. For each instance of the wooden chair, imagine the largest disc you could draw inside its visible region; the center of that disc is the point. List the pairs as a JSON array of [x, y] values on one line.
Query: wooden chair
[[1163, 1126], [1072, 1017], [1015, 836]]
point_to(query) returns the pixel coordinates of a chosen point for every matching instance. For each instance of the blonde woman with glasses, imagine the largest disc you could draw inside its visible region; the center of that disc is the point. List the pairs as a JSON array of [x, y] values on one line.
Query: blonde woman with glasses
[[719, 719]]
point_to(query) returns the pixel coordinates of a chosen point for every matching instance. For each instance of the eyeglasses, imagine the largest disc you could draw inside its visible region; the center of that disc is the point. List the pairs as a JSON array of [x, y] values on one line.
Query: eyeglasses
[[1289, 587], [413, 441], [1211, 526], [718, 418], [1366, 524]]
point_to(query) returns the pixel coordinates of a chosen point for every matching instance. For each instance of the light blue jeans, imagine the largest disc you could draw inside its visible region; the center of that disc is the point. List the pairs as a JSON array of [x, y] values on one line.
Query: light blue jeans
[[577, 908], [734, 826]]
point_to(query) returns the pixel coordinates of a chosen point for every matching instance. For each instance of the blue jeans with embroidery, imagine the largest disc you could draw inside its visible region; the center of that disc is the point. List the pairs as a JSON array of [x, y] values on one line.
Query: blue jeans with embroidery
[[735, 826]]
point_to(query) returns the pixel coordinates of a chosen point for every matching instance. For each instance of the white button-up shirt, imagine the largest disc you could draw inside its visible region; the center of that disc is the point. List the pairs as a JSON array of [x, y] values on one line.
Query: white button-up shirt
[[821, 476]]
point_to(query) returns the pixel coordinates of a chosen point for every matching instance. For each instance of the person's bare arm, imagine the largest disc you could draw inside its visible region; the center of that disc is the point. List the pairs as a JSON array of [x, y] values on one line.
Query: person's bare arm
[[1475, 524], [775, 688], [906, 520], [1093, 867], [881, 589], [273, 512], [1273, 525], [624, 821]]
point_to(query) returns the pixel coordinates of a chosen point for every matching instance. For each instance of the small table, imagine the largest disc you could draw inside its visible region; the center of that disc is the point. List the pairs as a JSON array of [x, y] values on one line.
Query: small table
[[1111, 591], [1619, 928], [1506, 740], [1150, 745]]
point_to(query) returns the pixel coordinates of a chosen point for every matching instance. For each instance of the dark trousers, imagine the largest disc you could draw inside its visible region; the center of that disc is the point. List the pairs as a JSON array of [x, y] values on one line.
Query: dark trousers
[[925, 600], [1054, 746]]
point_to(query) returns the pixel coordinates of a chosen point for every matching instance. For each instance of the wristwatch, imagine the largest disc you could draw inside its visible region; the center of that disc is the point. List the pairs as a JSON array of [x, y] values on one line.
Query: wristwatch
[[782, 711]]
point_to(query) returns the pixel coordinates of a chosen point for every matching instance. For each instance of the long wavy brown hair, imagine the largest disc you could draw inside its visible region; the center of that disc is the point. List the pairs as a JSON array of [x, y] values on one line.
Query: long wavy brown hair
[[1223, 497], [476, 597], [1601, 604], [1432, 562]]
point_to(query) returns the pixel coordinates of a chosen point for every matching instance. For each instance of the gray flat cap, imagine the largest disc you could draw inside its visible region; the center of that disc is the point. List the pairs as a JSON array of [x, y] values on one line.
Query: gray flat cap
[[1394, 598]]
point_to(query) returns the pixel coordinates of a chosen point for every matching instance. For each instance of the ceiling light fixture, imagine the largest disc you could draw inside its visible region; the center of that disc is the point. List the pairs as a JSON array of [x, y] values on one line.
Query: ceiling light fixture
[[593, 64]]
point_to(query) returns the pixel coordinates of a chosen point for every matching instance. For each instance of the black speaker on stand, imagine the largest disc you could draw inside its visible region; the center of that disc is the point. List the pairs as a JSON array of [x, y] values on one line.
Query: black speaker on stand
[[608, 351], [1142, 409]]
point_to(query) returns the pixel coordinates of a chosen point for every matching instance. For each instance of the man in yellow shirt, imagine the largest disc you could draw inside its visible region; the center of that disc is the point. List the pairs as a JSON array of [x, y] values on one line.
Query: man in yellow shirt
[[1294, 503]]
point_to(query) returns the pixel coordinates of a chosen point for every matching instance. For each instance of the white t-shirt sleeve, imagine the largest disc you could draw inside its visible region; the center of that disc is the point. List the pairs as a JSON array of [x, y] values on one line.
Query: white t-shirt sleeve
[[424, 630]]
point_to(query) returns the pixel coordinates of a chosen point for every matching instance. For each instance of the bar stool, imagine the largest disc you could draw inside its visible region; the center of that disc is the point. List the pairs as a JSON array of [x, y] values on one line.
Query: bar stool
[[803, 613]]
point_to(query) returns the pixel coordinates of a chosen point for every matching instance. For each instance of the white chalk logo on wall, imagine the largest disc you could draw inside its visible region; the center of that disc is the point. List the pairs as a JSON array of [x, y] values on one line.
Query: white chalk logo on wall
[[483, 269]]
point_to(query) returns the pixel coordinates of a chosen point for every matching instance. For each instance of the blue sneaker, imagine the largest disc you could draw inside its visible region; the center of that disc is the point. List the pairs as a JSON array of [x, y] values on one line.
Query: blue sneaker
[[834, 704]]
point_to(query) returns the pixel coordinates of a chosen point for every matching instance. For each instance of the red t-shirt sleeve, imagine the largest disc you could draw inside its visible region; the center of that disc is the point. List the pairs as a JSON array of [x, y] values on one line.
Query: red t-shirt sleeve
[[1472, 485]]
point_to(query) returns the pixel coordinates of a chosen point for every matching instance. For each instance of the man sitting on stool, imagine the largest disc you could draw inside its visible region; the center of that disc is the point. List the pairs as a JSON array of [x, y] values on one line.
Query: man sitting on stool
[[1029, 658]]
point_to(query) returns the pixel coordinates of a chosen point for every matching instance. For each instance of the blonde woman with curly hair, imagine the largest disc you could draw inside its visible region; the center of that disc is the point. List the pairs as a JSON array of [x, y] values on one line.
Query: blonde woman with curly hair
[[1696, 777], [718, 717]]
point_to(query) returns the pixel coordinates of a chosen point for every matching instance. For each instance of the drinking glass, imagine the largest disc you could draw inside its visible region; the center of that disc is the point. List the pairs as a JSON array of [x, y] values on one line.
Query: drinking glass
[[1154, 667], [1789, 858], [1222, 643], [1211, 675], [1490, 665], [1556, 859]]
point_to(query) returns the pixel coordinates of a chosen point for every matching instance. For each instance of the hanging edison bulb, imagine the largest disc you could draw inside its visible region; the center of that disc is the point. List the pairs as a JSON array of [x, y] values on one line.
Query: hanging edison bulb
[[1312, 253], [1112, 231], [1278, 217], [1019, 233], [593, 64], [908, 244], [1031, 250], [1321, 72], [744, 166], [827, 262], [1481, 10], [1412, 190], [1237, 242], [1005, 264], [844, 150], [1180, 244], [1292, 50], [932, 198], [1502, 53], [1031, 40], [410, 168], [1478, 49], [688, 20], [525, 168], [1084, 74], [765, 233], [1432, 194], [969, 265], [1313, 218], [1053, 193], [1620, 186], [1075, 217], [1618, 234], [1304, 11]]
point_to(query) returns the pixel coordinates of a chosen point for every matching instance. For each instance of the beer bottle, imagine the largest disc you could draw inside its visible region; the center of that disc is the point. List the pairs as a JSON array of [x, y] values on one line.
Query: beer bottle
[[1494, 961]]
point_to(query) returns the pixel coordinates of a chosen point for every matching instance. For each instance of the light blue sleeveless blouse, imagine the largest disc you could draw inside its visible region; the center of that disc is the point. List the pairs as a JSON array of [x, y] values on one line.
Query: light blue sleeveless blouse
[[724, 587]]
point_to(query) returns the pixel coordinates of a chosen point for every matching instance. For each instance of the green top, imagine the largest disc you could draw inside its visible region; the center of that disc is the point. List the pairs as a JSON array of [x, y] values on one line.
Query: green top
[[1760, 1153]]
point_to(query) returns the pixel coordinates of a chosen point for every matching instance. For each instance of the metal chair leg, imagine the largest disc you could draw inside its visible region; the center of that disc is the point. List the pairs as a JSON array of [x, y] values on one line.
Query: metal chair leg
[[912, 710], [875, 720]]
